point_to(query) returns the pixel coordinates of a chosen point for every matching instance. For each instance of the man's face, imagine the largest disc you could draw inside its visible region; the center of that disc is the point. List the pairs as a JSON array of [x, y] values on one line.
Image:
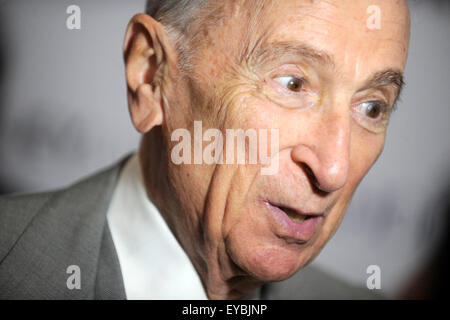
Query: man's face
[[318, 73]]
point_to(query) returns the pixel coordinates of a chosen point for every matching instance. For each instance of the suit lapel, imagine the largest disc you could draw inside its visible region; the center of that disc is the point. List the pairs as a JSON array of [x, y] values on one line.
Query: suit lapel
[[109, 283]]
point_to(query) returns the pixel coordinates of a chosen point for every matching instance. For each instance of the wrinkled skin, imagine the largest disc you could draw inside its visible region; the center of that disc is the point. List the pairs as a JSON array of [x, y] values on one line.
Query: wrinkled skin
[[235, 78]]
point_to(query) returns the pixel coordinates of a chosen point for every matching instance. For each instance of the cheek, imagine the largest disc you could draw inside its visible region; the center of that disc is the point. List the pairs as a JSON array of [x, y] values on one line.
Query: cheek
[[183, 179]]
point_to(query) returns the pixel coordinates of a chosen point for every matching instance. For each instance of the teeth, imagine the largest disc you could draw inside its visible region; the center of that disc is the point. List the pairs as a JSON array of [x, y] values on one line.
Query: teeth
[[294, 215]]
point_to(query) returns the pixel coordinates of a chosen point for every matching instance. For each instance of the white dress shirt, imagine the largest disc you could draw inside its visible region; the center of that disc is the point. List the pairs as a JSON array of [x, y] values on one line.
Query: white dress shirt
[[153, 264]]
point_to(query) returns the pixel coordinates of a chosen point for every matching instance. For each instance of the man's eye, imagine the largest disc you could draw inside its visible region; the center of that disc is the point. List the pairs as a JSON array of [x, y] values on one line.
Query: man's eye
[[293, 84], [373, 109]]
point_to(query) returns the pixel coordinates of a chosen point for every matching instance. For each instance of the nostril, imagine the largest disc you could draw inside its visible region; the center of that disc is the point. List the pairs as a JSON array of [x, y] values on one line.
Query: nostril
[[313, 180], [310, 174]]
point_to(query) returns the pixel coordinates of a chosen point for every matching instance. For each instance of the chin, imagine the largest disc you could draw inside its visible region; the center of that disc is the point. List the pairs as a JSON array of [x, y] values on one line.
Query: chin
[[271, 261]]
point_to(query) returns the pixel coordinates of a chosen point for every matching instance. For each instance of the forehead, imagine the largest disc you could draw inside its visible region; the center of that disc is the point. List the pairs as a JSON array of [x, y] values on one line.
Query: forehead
[[351, 32], [338, 28]]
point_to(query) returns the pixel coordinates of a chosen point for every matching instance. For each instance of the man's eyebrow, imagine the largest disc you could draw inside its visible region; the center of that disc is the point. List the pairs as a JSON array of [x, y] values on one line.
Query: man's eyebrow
[[270, 52], [267, 52], [389, 77]]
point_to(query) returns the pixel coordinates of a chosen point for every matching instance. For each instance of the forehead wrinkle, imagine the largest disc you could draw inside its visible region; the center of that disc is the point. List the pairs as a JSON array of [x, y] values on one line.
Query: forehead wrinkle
[[257, 30], [274, 51]]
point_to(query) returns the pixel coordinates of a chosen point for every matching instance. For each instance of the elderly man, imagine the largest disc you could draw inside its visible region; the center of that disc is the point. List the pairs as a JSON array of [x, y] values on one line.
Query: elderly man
[[322, 75]]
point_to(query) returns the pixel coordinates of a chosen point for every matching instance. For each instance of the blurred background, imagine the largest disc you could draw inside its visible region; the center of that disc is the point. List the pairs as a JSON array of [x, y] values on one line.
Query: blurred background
[[63, 115]]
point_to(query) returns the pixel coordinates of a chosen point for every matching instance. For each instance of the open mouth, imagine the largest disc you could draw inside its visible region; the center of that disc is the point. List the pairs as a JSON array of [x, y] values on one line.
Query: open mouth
[[294, 215], [293, 224]]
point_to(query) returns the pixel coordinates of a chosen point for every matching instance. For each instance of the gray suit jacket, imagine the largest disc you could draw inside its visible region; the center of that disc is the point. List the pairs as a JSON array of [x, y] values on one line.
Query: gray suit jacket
[[41, 235]]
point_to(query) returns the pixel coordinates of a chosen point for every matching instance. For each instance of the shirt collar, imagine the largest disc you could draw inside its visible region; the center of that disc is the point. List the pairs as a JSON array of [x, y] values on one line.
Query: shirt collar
[[153, 263]]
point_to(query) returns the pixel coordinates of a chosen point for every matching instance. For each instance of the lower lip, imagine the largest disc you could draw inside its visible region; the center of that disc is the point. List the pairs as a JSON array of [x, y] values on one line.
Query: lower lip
[[290, 229]]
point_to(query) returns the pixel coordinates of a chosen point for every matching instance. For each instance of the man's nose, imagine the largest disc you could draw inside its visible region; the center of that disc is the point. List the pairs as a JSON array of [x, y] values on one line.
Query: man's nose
[[326, 151]]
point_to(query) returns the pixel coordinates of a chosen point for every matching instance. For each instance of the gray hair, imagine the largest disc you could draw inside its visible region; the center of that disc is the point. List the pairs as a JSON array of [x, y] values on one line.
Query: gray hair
[[177, 16], [178, 13]]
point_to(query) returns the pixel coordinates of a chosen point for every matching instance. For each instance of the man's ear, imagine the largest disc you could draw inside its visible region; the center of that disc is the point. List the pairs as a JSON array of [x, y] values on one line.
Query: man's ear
[[147, 55]]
